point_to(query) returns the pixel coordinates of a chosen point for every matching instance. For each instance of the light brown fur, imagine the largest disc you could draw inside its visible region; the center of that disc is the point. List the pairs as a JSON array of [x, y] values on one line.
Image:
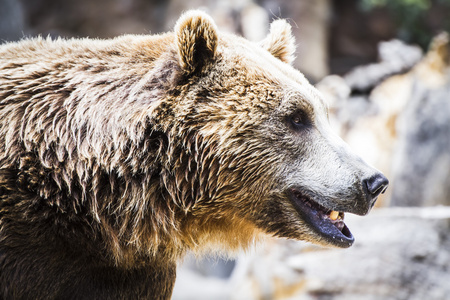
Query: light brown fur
[[128, 152]]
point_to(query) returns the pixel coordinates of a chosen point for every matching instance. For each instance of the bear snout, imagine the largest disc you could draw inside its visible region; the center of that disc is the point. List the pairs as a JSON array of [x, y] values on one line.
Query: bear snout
[[373, 186]]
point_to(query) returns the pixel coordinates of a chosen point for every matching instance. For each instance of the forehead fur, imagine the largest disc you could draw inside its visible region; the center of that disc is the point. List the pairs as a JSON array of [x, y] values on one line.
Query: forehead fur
[[260, 68]]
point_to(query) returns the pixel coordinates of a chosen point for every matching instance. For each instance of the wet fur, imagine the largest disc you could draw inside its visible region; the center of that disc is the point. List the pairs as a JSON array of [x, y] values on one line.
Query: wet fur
[[117, 156], [96, 173]]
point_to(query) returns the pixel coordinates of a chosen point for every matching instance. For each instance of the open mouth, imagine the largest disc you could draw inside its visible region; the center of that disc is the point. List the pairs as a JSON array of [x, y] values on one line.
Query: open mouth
[[329, 224]]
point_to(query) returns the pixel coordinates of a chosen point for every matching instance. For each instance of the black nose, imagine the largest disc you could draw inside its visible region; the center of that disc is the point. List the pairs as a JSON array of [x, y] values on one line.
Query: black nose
[[375, 185]]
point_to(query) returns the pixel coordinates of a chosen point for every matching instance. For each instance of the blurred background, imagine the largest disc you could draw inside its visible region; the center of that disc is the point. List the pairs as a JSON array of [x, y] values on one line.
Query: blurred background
[[384, 68]]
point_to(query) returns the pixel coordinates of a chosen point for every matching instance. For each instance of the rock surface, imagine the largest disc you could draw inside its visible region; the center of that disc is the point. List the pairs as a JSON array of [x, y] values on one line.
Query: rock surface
[[421, 161], [422, 157], [395, 57]]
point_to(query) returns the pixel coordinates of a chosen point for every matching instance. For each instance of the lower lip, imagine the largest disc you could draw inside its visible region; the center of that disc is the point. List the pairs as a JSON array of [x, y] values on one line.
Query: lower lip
[[322, 225]]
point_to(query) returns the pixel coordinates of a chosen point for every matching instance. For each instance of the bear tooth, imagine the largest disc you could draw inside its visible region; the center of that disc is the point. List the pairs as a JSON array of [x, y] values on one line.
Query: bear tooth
[[334, 215]]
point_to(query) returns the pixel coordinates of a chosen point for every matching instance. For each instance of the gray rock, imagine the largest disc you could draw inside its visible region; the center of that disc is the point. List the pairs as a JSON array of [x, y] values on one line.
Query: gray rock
[[395, 57], [422, 159]]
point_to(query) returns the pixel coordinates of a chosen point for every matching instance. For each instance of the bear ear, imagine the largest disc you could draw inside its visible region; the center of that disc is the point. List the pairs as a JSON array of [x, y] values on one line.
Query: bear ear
[[196, 38], [280, 42]]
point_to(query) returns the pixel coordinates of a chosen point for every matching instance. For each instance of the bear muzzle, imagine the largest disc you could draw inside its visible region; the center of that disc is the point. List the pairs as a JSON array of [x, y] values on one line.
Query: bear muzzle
[[326, 220]]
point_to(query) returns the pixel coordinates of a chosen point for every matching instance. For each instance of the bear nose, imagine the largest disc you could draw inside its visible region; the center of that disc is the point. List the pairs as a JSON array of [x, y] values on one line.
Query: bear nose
[[375, 185]]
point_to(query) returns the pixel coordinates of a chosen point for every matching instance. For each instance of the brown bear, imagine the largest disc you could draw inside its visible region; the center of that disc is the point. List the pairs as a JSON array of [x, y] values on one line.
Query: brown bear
[[117, 156]]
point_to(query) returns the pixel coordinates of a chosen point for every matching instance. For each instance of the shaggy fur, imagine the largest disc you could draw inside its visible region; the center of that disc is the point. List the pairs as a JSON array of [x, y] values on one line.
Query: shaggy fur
[[117, 156]]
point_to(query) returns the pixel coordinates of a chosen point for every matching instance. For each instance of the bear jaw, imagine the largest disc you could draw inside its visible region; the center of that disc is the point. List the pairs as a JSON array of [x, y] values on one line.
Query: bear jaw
[[325, 222]]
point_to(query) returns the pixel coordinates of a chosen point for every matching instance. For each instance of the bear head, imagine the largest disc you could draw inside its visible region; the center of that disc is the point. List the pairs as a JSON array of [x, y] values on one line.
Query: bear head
[[255, 151]]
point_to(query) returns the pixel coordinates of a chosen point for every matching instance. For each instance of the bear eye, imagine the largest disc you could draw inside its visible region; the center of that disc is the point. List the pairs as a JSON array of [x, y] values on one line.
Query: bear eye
[[298, 120]]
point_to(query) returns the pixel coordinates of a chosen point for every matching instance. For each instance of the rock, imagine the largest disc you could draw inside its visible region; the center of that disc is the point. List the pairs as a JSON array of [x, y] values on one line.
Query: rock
[[191, 285], [422, 157], [395, 57], [344, 109]]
